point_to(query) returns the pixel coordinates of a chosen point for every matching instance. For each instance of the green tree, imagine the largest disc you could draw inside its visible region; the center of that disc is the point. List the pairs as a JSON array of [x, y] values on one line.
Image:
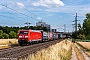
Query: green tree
[[1, 32], [45, 29], [12, 34], [80, 29], [74, 35], [6, 29], [86, 25]]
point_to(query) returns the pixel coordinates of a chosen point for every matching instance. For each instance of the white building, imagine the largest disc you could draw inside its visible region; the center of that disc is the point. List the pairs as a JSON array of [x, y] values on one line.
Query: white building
[[43, 24]]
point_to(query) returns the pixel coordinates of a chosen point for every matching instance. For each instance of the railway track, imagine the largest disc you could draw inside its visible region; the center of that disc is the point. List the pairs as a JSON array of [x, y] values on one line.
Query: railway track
[[21, 52]]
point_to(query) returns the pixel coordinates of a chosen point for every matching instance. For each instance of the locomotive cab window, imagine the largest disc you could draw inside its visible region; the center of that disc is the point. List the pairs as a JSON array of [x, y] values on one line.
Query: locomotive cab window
[[23, 32]]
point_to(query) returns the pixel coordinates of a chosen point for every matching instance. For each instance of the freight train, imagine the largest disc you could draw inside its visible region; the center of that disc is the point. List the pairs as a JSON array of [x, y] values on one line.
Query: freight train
[[29, 36]]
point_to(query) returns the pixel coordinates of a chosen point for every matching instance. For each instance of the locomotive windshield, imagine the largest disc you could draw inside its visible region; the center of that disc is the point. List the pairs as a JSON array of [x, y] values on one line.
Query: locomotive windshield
[[23, 32]]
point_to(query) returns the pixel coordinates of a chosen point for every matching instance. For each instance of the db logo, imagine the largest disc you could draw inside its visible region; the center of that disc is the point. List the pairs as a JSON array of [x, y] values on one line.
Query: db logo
[[23, 36]]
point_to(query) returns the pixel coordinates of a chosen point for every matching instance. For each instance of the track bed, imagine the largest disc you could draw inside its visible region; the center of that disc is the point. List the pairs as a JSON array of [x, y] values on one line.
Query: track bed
[[21, 52]]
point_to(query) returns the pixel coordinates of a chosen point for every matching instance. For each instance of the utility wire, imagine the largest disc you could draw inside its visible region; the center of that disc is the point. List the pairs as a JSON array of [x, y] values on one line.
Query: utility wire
[[17, 11], [13, 14], [24, 8], [10, 18]]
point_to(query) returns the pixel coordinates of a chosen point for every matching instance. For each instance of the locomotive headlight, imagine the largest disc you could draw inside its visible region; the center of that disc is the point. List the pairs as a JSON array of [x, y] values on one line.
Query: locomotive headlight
[[20, 36], [26, 36]]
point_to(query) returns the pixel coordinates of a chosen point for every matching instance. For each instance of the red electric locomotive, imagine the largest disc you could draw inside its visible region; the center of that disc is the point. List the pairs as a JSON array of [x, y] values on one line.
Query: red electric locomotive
[[28, 36]]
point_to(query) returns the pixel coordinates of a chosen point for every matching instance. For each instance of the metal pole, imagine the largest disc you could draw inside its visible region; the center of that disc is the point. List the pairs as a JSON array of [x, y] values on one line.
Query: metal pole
[[64, 28], [76, 22]]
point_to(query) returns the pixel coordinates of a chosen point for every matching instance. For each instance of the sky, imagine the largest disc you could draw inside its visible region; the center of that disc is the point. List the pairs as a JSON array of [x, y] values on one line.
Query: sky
[[57, 13]]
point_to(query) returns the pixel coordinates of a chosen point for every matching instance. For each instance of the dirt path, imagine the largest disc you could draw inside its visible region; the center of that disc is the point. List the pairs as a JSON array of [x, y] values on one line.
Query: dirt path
[[73, 57], [85, 56]]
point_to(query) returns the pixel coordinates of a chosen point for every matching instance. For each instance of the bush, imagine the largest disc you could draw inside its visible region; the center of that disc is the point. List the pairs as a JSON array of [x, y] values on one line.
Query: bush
[[0, 36], [5, 36], [1, 32], [88, 37], [82, 37], [12, 34]]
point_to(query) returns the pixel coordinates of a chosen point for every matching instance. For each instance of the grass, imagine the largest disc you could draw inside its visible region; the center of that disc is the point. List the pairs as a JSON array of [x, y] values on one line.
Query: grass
[[59, 51], [6, 43], [85, 47], [4, 46], [78, 53], [79, 40]]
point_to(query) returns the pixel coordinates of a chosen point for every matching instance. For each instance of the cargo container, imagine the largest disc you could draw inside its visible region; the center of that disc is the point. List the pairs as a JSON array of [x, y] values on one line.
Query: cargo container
[[59, 35], [50, 36], [45, 35], [54, 36]]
